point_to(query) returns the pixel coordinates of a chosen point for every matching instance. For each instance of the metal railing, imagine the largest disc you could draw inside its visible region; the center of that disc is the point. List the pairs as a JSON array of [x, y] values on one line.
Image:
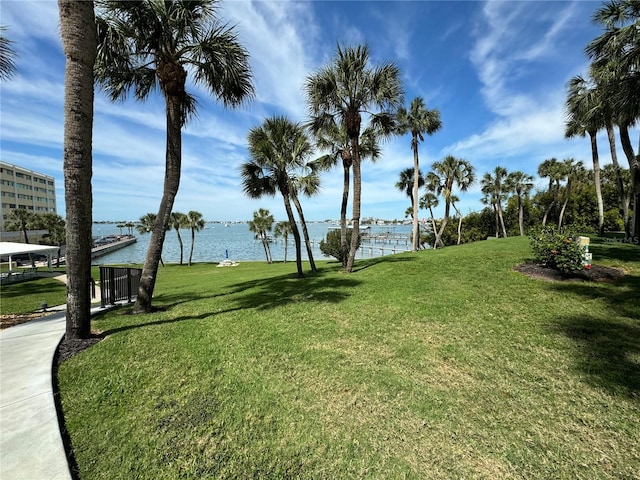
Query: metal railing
[[118, 283]]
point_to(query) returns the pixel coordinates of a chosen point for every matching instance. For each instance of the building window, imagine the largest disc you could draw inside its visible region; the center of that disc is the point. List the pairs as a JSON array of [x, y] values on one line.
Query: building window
[[19, 175], [12, 205], [50, 183]]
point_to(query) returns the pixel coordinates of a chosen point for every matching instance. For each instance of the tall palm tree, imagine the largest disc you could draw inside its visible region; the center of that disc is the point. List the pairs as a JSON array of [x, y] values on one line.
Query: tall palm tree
[[7, 56], [574, 171], [418, 120], [261, 226], [332, 136], [152, 44], [495, 188], [283, 229], [78, 29], [429, 201], [195, 223], [177, 221], [279, 149], [405, 184], [342, 92], [618, 48], [551, 169], [443, 177], [585, 116], [604, 78], [521, 184], [309, 185]]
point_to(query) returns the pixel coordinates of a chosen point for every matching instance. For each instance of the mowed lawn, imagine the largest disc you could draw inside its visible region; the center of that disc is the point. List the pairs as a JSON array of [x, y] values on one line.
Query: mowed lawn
[[440, 364]]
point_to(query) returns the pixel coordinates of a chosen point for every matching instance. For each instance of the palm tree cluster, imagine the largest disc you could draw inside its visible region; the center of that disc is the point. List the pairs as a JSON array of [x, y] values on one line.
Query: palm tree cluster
[[610, 97]]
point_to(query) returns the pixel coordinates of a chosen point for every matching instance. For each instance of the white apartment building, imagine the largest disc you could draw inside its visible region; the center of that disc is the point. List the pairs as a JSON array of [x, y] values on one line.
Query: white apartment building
[[24, 188]]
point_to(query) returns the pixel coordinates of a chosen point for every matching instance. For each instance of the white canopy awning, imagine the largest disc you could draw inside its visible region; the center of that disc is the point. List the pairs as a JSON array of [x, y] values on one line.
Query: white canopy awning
[[9, 249]]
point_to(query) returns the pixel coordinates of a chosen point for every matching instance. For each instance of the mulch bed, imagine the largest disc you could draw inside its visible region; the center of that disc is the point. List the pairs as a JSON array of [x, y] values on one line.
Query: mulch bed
[[68, 348], [10, 320], [597, 273]]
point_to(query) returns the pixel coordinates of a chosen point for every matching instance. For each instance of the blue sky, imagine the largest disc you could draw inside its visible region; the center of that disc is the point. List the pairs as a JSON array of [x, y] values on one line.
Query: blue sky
[[496, 71]]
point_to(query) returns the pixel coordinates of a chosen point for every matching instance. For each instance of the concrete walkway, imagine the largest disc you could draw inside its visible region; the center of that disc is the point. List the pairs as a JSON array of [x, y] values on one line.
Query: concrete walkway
[[30, 441], [31, 445]]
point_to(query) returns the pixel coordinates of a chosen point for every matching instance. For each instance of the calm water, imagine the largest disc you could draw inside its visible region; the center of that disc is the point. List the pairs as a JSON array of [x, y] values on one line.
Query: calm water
[[235, 242]]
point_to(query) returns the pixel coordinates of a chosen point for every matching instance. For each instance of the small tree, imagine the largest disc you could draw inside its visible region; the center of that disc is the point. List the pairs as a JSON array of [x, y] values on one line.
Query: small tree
[[283, 229], [195, 222], [261, 226], [332, 246]]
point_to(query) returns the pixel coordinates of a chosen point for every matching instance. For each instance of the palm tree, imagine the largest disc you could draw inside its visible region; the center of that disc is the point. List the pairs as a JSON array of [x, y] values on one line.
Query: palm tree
[[7, 56], [177, 221], [454, 200], [521, 184], [130, 226], [261, 226], [146, 225], [55, 226], [552, 170], [342, 92], [283, 229], [405, 184], [21, 220], [333, 137], [604, 78], [194, 222], [617, 50], [585, 116], [308, 185], [78, 30], [495, 188], [442, 179], [429, 201], [152, 44], [573, 171], [418, 120], [279, 149]]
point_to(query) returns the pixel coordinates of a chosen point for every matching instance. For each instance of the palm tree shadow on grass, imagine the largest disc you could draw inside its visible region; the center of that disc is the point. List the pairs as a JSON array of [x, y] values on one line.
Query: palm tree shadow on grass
[[604, 352], [259, 294]]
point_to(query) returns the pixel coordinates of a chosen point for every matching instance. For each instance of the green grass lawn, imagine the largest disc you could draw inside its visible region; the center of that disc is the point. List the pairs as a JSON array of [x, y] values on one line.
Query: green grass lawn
[[440, 364]]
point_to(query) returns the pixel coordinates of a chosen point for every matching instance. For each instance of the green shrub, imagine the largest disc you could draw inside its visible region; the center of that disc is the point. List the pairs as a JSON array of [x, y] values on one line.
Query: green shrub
[[557, 249], [331, 247]]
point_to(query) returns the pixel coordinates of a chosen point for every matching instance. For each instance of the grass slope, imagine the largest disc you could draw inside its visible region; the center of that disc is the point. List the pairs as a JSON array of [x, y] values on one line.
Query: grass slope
[[440, 364]]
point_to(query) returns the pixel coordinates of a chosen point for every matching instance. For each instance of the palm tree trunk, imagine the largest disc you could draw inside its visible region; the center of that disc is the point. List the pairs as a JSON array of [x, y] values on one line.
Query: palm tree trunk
[[357, 197], [193, 241], [616, 166], [459, 230], [295, 232], [504, 230], [265, 245], [564, 205], [343, 212], [495, 212], [596, 178], [521, 216], [414, 197], [305, 233], [171, 184], [634, 168], [181, 246], [286, 244], [77, 25]]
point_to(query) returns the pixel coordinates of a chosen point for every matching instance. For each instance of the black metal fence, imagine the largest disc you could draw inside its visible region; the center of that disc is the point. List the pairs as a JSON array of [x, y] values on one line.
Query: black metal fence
[[118, 283]]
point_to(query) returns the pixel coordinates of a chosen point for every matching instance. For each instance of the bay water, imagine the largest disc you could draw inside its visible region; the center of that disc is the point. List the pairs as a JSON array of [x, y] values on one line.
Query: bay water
[[234, 241]]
